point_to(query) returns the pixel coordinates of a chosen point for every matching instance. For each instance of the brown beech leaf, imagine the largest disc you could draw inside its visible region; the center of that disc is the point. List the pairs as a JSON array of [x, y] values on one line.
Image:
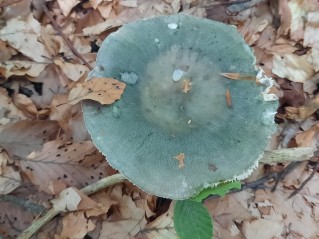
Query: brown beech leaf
[[161, 227], [128, 220], [180, 157], [75, 164], [303, 112], [103, 90], [23, 137], [75, 226]]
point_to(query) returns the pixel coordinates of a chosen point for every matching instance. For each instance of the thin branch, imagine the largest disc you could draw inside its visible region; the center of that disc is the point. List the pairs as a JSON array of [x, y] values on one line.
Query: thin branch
[[65, 37], [306, 181], [284, 173], [88, 190]]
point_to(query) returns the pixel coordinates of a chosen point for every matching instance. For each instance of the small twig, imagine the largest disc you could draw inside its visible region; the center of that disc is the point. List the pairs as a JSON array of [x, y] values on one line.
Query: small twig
[[306, 181], [88, 190], [284, 173], [26, 204], [65, 37]]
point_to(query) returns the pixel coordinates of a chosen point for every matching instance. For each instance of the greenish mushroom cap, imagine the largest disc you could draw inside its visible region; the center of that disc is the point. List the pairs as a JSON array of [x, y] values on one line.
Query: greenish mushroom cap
[[174, 104]]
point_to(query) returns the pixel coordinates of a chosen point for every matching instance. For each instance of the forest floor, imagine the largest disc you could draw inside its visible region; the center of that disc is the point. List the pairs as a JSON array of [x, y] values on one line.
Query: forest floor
[[47, 49]]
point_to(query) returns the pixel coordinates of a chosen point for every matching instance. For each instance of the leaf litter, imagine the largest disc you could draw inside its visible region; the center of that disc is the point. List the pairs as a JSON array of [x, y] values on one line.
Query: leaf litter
[[46, 151]]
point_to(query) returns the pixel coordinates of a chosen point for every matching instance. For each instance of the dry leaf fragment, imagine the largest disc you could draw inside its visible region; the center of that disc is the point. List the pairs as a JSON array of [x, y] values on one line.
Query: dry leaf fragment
[[180, 157], [228, 98], [187, 84], [9, 178], [303, 112], [238, 76], [68, 200], [102, 90]]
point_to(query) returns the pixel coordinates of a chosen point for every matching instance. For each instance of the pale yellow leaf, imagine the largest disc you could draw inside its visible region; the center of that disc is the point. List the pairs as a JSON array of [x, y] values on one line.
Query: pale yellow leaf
[[73, 71], [22, 34], [67, 5], [68, 200], [102, 90], [293, 67]]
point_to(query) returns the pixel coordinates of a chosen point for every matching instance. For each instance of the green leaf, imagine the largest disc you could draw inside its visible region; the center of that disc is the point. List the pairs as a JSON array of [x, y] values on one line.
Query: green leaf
[[192, 220], [220, 189]]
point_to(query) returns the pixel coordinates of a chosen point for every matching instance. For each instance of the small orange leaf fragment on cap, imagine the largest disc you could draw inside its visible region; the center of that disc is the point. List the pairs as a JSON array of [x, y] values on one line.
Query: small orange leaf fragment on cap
[[180, 157], [187, 86], [228, 98]]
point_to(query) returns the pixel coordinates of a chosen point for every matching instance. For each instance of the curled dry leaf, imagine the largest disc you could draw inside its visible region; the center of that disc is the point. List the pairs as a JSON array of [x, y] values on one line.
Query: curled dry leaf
[[26, 105], [8, 111], [102, 90], [23, 137], [21, 68], [75, 164]]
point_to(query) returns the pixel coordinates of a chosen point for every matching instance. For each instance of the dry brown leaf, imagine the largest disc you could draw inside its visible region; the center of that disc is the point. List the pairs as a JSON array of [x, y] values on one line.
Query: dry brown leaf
[[76, 164], [161, 227], [23, 137], [127, 220], [75, 226], [303, 112], [238, 76], [26, 105], [23, 36], [180, 157], [103, 90], [61, 111]]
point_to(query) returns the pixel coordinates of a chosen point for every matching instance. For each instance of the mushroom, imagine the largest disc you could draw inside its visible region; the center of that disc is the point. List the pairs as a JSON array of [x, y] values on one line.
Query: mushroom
[[173, 133]]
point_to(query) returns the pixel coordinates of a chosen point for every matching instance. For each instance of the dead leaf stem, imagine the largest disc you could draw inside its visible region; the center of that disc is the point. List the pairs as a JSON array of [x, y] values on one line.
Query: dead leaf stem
[[65, 37], [52, 212]]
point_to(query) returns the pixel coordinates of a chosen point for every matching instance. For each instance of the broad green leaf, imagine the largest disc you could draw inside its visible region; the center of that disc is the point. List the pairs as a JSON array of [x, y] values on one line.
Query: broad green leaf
[[220, 189], [192, 220]]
